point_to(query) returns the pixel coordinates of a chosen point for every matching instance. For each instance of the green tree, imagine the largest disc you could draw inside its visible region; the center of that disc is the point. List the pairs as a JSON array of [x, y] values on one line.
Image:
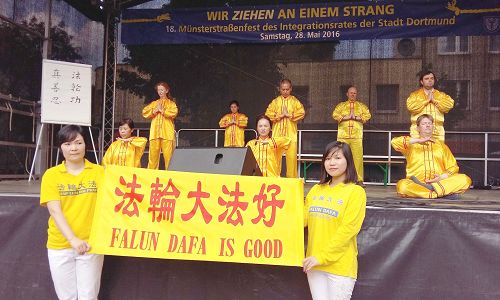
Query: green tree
[[21, 56], [21, 69]]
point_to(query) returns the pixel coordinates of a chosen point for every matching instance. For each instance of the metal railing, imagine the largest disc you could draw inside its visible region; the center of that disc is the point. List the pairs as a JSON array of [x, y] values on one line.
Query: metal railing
[[306, 149], [485, 158], [215, 130], [21, 107]]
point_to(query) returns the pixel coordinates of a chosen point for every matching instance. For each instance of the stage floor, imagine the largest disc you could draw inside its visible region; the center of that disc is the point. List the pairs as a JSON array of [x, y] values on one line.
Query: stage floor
[[377, 196], [408, 249]]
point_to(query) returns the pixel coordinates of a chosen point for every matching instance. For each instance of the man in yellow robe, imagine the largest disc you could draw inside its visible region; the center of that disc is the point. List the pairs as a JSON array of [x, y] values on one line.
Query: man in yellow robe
[[162, 113], [351, 115], [431, 168], [285, 111], [235, 124], [428, 100]]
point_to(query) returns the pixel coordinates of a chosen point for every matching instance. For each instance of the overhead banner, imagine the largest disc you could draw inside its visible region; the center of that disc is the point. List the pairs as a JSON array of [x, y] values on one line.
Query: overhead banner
[[194, 216], [311, 22]]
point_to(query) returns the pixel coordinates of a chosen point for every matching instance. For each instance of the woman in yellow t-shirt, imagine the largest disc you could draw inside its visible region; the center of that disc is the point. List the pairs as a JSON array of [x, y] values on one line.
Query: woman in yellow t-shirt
[[69, 191], [127, 150], [334, 213], [268, 150]]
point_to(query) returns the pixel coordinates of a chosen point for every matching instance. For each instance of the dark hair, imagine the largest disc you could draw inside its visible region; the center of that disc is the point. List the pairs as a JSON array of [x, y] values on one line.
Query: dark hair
[[234, 102], [260, 117], [127, 121], [425, 73], [286, 80], [424, 116], [351, 174], [69, 133]]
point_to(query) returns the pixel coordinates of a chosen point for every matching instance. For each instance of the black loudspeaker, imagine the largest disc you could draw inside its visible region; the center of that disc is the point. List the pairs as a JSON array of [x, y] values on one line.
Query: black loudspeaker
[[232, 161]]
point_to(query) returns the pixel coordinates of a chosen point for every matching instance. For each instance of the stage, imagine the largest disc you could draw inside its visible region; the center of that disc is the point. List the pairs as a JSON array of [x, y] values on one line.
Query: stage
[[408, 249], [377, 196]]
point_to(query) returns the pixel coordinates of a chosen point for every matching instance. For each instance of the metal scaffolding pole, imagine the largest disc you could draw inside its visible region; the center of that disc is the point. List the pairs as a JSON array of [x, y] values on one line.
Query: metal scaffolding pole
[[109, 79]]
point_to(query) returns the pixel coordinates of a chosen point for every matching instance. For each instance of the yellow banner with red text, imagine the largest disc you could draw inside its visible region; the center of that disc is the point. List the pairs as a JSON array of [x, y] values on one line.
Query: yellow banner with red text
[[195, 216]]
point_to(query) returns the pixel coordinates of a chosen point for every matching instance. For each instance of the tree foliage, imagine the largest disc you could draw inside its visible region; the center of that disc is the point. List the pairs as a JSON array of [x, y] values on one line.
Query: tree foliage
[[21, 56], [205, 78], [21, 69]]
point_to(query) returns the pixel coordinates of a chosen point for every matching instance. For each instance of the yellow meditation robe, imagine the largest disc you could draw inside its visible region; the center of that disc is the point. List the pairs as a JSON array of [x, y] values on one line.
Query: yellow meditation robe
[[286, 127], [418, 104], [162, 125], [268, 154], [426, 161], [234, 135], [123, 153], [351, 129]]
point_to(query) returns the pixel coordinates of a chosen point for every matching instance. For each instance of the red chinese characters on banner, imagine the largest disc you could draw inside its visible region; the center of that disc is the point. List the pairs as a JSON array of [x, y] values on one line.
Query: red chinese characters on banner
[[163, 201], [235, 206], [263, 203], [163, 198], [198, 194], [132, 196]]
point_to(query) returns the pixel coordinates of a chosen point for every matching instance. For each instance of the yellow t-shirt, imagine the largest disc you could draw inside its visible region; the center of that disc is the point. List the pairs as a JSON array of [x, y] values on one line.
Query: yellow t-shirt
[[334, 216], [77, 194]]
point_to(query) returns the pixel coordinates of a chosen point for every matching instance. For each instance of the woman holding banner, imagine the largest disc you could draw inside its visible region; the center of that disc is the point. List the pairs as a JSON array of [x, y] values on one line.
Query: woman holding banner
[[266, 149], [162, 113], [334, 212], [69, 190], [127, 150]]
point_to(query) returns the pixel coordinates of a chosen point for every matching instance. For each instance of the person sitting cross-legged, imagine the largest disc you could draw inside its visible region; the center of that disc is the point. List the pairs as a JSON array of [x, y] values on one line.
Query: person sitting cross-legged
[[431, 168]]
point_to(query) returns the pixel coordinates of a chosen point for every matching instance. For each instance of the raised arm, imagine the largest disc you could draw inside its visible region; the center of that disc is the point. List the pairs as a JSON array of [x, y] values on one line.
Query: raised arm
[[298, 112], [416, 103], [149, 111], [443, 102]]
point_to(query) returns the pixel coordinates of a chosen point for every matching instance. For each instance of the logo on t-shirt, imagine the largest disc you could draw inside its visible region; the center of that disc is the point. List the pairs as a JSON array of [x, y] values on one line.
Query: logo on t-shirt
[[81, 188], [324, 211]]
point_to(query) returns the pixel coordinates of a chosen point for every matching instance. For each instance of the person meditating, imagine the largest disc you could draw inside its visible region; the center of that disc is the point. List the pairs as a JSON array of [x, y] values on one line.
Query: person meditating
[[431, 168], [268, 150], [428, 100], [162, 113], [285, 111], [234, 124]]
